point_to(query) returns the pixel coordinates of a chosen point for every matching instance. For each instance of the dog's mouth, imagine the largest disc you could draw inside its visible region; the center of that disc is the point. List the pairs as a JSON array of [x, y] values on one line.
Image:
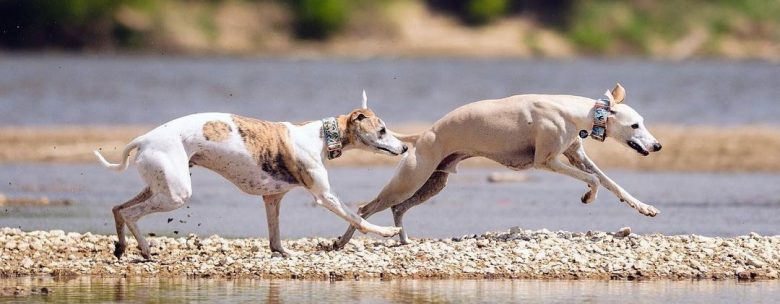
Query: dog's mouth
[[638, 148], [388, 151]]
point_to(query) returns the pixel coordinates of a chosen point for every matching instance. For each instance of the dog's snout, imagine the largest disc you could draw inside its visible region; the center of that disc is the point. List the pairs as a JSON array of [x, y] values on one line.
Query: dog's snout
[[657, 147], [404, 149]]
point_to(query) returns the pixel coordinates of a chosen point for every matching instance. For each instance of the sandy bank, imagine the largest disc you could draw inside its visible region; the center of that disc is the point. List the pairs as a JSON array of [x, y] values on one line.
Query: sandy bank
[[508, 254], [686, 148]]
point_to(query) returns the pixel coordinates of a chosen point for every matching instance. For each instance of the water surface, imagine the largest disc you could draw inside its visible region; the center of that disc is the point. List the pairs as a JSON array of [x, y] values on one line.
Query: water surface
[[708, 204], [100, 290], [151, 90]]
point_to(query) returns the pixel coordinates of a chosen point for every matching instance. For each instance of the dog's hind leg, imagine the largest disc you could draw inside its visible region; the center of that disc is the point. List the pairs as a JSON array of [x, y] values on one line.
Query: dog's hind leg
[[413, 172], [167, 175], [121, 244], [433, 186], [272, 205]]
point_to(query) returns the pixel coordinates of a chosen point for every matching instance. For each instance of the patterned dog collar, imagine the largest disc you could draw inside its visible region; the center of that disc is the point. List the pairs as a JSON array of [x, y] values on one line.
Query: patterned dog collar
[[332, 136], [600, 116]]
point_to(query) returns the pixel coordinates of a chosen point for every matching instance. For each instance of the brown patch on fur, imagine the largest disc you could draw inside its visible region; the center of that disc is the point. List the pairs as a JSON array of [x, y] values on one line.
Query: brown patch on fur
[[269, 144], [216, 130]]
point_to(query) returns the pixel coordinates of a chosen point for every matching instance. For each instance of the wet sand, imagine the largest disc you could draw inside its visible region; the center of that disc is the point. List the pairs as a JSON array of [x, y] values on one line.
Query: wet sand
[[686, 148], [515, 253]]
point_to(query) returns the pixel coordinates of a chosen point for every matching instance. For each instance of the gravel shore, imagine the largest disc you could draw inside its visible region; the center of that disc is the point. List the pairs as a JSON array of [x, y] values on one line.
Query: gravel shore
[[515, 253]]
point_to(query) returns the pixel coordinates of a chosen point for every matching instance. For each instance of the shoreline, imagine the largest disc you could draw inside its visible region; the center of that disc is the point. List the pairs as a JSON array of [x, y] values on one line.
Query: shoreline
[[748, 148], [513, 254]]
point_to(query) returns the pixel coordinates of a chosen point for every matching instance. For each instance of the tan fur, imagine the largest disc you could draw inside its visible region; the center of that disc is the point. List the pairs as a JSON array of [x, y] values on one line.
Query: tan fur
[[352, 124], [216, 131], [269, 143], [407, 138], [618, 94], [519, 132]]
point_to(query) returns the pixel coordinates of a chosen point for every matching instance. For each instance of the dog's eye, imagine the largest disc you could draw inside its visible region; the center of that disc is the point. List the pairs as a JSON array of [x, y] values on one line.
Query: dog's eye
[[382, 131], [635, 126]]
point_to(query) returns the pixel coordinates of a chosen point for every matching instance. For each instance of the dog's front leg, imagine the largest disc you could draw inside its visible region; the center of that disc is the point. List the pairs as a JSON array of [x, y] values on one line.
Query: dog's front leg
[[557, 166], [613, 187], [575, 154], [320, 189], [332, 203]]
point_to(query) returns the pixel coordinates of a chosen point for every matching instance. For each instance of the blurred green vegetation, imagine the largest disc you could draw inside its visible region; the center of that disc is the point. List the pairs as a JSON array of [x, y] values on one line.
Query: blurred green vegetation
[[598, 25], [591, 26], [473, 12], [319, 19], [71, 24]]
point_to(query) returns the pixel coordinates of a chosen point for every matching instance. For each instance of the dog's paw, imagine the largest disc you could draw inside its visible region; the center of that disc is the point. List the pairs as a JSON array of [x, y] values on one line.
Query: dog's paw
[[648, 210], [587, 198], [388, 231], [285, 253], [404, 241], [119, 249], [338, 244]]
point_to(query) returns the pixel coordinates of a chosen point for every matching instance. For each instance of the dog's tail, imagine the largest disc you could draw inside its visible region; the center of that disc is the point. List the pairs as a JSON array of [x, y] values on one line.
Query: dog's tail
[[408, 138], [125, 157]]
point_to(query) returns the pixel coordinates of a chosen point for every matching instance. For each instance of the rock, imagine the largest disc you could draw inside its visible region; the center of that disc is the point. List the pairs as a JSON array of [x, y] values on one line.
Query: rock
[[10, 245], [623, 232], [543, 255], [754, 262], [27, 263], [539, 256]]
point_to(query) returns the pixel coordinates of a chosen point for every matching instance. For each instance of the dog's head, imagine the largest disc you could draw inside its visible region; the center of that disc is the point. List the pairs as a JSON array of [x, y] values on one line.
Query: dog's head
[[367, 131], [627, 126]]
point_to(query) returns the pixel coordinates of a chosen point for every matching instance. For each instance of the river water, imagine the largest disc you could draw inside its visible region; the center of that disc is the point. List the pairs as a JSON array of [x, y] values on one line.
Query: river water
[[102, 290], [52, 90], [151, 90], [707, 204]]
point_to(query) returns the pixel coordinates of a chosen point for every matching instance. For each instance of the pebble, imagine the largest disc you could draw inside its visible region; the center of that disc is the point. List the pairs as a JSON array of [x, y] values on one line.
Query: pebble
[[623, 232], [513, 253]]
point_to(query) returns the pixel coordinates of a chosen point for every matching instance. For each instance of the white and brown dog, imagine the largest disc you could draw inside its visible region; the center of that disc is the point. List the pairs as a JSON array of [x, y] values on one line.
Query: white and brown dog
[[519, 132], [260, 157]]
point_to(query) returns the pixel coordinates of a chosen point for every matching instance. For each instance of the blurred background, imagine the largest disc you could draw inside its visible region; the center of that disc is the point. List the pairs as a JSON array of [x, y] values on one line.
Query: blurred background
[[673, 29], [79, 75]]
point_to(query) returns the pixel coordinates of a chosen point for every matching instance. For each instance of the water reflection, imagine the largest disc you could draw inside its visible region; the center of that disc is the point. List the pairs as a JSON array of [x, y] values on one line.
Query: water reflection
[[154, 290]]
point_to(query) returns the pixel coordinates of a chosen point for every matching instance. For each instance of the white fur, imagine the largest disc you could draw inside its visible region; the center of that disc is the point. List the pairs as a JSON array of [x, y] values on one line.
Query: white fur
[[163, 160], [365, 100]]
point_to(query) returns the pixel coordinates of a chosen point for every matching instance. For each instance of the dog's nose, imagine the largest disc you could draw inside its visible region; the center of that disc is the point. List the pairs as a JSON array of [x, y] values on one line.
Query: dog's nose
[[657, 146], [405, 148]]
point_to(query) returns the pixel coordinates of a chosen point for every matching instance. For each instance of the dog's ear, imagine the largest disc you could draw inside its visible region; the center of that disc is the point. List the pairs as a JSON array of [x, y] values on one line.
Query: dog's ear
[[618, 94], [358, 116], [365, 101]]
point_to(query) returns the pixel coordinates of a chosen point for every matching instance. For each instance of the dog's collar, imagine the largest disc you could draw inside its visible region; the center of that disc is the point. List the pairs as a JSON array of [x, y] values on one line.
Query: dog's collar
[[600, 116], [332, 137]]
